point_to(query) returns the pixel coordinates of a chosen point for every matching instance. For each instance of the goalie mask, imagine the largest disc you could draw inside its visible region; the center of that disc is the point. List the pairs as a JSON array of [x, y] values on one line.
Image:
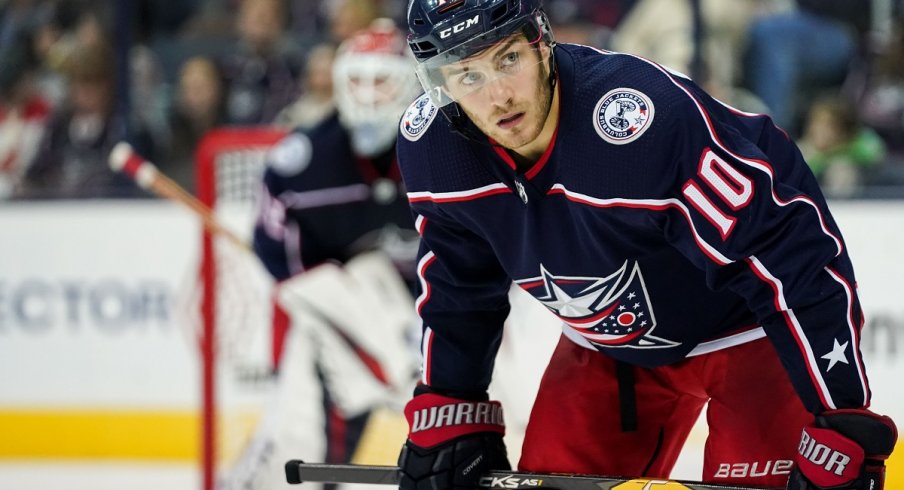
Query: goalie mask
[[374, 82]]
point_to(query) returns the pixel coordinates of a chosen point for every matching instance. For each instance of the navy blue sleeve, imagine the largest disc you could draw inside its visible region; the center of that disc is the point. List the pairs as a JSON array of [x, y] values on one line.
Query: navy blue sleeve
[[277, 237], [760, 226], [270, 231], [462, 287], [462, 300]]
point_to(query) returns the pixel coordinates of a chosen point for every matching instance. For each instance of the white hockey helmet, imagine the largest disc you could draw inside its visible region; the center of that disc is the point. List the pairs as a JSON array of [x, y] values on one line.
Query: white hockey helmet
[[373, 83]]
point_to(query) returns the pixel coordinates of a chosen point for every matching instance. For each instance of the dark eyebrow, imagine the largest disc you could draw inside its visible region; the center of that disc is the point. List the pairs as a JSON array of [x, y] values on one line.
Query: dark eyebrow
[[500, 50], [504, 47]]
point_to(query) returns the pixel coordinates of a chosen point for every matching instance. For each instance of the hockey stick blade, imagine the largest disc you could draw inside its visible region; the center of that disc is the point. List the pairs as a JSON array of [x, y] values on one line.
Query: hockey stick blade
[[298, 471]]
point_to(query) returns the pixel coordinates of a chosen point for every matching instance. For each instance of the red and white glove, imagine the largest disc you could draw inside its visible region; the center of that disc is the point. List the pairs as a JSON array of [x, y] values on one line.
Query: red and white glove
[[452, 441], [844, 450]]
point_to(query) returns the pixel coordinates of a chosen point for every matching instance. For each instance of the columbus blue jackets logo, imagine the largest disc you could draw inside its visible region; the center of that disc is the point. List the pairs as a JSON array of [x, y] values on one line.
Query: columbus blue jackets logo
[[418, 118], [291, 155], [613, 311], [622, 115]]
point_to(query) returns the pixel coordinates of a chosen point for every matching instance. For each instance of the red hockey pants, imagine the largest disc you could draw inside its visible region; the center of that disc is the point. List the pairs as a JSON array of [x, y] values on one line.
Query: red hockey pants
[[578, 423]]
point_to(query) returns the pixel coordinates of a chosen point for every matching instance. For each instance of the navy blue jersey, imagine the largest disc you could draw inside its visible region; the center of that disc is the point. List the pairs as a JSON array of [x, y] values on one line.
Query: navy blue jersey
[[320, 202], [659, 224]]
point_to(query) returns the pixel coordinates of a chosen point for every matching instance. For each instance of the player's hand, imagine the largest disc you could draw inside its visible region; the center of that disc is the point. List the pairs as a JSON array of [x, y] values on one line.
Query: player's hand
[[451, 442], [844, 450]]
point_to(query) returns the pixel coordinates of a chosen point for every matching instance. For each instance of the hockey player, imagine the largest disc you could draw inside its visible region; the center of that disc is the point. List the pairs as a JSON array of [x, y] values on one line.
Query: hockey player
[[330, 195], [335, 191], [685, 246]]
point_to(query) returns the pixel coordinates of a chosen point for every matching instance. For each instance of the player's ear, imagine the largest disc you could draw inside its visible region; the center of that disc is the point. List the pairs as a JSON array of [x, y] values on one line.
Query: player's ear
[[544, 50]]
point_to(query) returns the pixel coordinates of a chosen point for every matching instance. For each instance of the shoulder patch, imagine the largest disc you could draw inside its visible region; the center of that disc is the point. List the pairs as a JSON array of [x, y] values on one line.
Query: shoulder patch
[[291, 155], [418, 117], [622, 115]]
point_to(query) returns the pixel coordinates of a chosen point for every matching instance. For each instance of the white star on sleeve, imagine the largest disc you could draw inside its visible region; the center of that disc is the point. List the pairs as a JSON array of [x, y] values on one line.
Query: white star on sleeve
[[837, 355]]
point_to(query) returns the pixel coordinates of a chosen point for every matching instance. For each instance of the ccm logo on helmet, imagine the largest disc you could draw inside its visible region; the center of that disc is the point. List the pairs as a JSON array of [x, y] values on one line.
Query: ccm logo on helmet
[[467, 23], [819, 454]]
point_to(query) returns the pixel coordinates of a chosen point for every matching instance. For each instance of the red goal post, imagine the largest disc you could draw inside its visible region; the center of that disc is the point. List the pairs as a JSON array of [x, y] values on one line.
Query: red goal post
[[233, 302]]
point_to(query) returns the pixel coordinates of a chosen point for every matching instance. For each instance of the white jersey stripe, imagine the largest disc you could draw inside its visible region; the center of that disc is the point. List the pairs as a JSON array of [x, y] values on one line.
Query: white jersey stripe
[[459, 195], [325, 197], [858, 362], [422, 265], [426, 344], [419, 224], [726, 342], [651, 204], [797, 331], [293, 248], [427, 339]]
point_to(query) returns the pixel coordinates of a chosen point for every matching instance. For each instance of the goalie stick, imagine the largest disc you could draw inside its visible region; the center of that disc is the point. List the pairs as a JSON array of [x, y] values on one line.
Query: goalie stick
[[298, 471], [123, 158]]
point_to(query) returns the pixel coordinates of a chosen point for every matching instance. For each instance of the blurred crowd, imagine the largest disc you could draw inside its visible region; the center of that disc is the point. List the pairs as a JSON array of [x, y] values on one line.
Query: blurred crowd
[[78, 76]]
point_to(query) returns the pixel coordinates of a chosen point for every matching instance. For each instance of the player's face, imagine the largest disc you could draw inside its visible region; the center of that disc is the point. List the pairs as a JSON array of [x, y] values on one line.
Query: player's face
[[504, 90]]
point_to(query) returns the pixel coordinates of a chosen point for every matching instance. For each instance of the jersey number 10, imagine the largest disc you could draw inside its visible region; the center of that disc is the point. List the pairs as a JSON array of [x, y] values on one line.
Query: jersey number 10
[[732, 187]]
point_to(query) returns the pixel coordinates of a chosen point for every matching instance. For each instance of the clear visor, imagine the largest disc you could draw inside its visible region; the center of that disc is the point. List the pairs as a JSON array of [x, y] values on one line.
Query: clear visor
[[479, 64]]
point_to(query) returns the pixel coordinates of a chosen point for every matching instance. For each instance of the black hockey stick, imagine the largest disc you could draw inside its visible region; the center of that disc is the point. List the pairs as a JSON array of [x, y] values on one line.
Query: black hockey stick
[[298, 471]]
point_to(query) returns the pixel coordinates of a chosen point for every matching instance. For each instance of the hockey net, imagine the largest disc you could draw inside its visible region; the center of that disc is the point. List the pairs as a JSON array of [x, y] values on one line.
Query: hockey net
[[234, 306]]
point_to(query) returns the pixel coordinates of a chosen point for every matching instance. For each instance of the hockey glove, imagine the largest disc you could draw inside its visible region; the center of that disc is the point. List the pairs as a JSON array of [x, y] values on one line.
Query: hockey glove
[[451, 442], [844, 450]]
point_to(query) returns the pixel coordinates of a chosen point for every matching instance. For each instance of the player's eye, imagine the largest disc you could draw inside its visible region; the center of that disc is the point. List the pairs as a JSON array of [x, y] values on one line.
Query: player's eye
[[509, 61], [470, 79]]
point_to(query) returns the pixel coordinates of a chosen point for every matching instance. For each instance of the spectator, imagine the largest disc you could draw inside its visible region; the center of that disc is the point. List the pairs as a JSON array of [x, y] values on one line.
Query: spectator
[[198, 108], [147, 99], [90, 29], [163, 17], [18, 15], [335, 20], [793, 54], [54, 41], [307, 21], [603, 13], [72, 158], [262, 74], [350, 16], [23, 112], [880, 99], [838, 148], [211, 19], [588, 22], [316, 100], [664, 31]]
